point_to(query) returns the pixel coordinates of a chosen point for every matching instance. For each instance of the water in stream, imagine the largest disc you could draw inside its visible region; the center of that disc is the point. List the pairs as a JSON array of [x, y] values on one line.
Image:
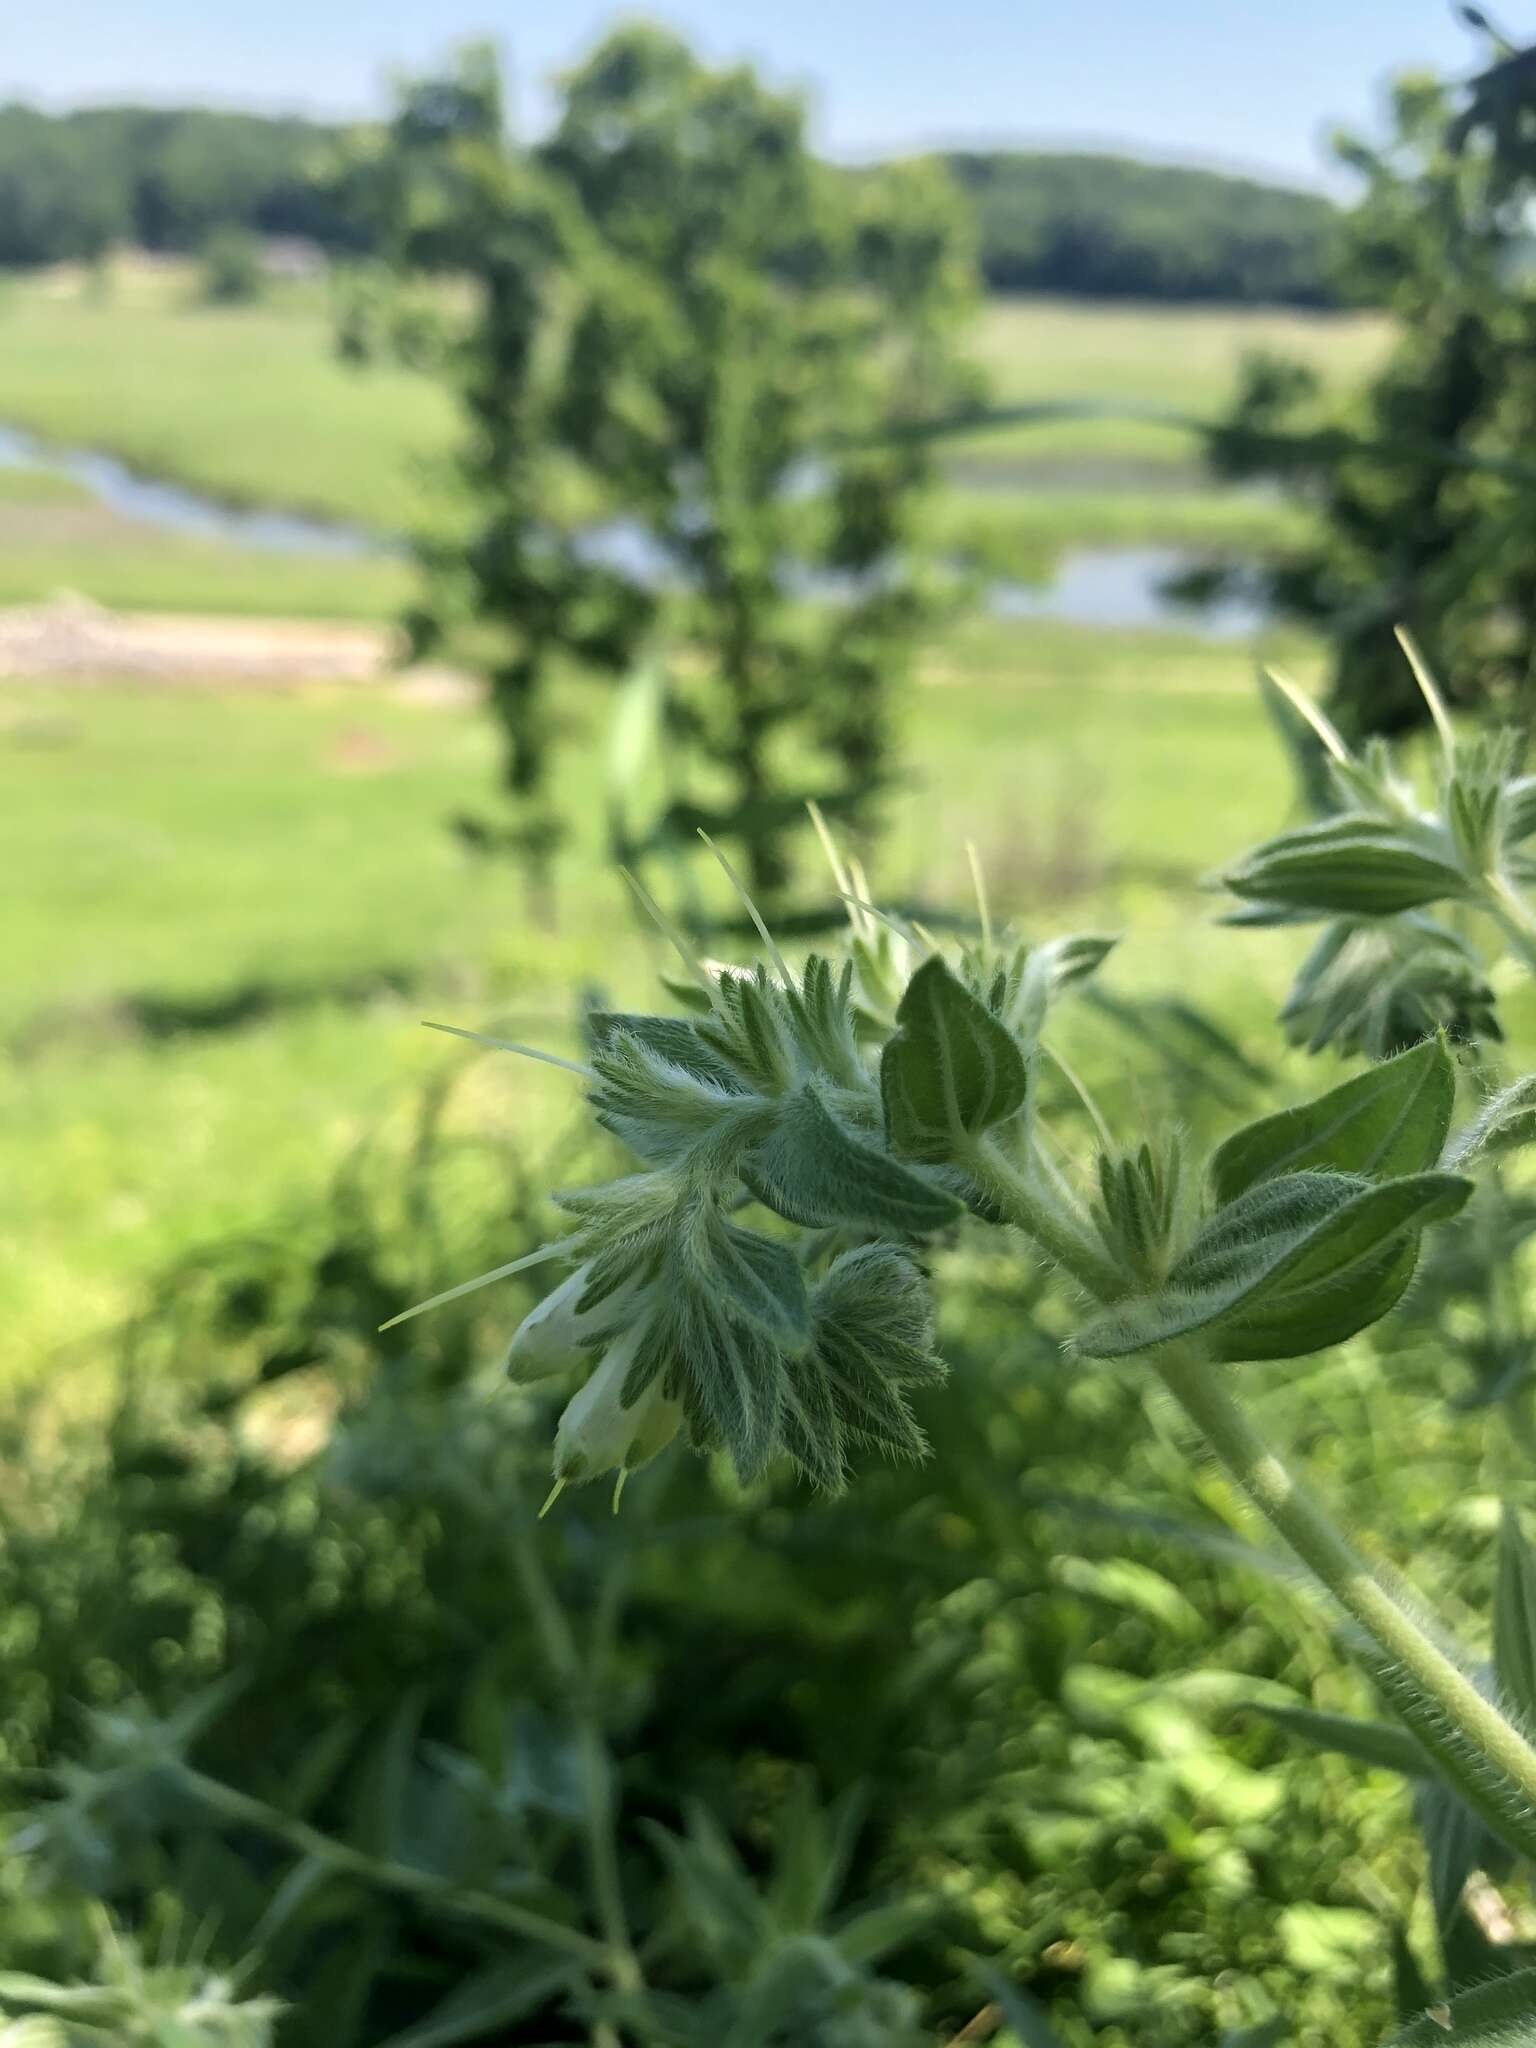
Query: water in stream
[[175, 509], [1117, 587]]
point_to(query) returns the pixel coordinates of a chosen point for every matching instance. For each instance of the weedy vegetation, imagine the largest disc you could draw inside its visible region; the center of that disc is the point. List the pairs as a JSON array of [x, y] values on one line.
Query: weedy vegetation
[[871, 1103], [868, 1525], [867, 1224]]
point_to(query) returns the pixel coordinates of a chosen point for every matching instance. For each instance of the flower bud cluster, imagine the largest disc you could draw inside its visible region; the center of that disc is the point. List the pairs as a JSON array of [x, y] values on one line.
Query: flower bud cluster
[[757, 1282], [1385, 971]]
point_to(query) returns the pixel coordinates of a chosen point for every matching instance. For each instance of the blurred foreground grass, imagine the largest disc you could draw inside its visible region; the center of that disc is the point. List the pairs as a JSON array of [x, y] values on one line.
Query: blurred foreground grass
[[236, 908]]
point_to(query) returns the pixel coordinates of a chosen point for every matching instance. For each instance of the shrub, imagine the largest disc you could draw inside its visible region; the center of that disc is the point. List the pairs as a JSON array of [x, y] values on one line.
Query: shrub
[[231, 272]]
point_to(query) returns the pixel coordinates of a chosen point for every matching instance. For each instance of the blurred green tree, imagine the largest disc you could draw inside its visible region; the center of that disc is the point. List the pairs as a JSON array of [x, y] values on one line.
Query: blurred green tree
[[1422, 481], [679, 342], [57, 204]]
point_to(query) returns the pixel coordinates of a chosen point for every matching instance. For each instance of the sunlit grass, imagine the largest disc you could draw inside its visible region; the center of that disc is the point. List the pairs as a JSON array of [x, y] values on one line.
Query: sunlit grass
[[146, 371], [1183, 357], [127, 567], [1019, 532], [249, 403], [236, 908]]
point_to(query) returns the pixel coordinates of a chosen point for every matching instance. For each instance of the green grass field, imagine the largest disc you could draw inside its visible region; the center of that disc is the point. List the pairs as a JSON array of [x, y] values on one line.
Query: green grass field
[[1183, 357], [237, 908], [251, 404], [237, 905], [248, 403], [54, 538], [1019, 532]]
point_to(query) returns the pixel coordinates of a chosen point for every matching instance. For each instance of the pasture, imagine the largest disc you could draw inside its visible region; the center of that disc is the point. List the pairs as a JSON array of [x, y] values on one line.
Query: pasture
[[239, 903], [240, 899], [251, 405]]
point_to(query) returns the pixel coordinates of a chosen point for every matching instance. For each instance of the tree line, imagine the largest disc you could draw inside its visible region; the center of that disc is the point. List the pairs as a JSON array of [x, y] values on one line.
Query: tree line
[[73, 184], [1102, 226], [1112, 227]]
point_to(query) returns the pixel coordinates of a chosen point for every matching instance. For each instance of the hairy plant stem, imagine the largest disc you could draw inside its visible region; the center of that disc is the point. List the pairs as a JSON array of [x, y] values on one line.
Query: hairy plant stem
[[245, 1811], [1513, 915], [1035, 1198], [1202, 1393], [1046, 1211]]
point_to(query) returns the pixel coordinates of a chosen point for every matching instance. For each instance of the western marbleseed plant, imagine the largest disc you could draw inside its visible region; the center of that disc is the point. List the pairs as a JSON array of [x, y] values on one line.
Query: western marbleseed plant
[[808, 1140], [1379, 875]]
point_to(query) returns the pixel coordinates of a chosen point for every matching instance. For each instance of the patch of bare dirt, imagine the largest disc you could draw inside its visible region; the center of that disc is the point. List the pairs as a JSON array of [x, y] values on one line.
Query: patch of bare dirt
[[73, 640]]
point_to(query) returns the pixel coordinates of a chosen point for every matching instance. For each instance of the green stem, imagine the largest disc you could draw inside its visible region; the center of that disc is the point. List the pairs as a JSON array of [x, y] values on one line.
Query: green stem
[[1293, 1513], [1042, 1207], [245, 1811], [1513, 915], [1486, 1756]]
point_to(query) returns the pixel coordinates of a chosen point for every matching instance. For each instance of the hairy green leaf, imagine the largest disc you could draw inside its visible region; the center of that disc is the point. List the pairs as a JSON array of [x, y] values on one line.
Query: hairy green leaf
[[873, 1339], [1519, 807], [1391, 1120], [810, 1421], [1356, 864], [673, 1039], [1501, 2015], [812, 1170], [758, 1281], [1368, 1742], [1295, 1265], [663, 1110], [951, 1070], [761, 1367], [727, 1375], [1505, 1123]]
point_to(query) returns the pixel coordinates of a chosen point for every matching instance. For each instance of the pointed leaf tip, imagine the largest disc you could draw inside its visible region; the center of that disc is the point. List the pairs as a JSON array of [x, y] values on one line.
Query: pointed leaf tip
[[1389, 1121], [951, 1071]]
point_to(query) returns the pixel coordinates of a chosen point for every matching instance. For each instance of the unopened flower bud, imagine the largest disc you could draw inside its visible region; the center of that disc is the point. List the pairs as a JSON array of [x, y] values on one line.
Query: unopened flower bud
[[597, 1433], [554, 1335]]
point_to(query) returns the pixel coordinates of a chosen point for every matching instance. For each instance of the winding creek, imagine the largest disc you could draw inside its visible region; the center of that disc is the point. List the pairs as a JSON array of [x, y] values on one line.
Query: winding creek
[[1111, 587], [174, 509]]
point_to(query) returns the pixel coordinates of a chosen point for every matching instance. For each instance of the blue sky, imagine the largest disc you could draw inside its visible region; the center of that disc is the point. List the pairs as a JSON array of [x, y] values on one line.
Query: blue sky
[[1245, 82]]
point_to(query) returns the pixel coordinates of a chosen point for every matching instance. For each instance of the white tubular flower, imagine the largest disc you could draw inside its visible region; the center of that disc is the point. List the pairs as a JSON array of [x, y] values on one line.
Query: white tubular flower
[[553, 1335], [597, 1433]]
